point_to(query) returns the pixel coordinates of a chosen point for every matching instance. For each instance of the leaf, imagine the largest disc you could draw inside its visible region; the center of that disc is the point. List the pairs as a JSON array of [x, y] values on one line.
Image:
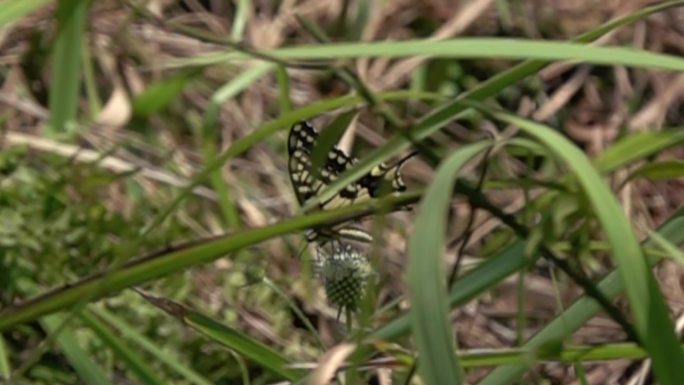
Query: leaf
[[649, 310], [328, 138], [159, 95], [636, 147], [66, 64], [665, 170], [429, 307]]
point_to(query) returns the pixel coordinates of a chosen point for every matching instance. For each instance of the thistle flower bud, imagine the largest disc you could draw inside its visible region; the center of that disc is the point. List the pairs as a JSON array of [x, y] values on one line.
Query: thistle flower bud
[[345, 274]]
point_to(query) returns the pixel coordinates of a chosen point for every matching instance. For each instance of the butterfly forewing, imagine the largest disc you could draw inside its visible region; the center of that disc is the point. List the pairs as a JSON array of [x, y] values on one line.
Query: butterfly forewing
[[308, 183]]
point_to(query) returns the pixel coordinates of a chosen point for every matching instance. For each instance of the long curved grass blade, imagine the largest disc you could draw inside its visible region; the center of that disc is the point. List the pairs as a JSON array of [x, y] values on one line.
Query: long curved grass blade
[[328, 138], [638, 146], [66, 63], [569, 354], [84, 366], [436, 119], [467, 48], [667, 169], [210, 137], [244, 345], [668, 247], [478, 48], [267, 129], [11, 10], [468, 286], [577, 314], [4, 361], [229, 337], [426, 281], [648, 307], [134, 362], [180, 258], [157, 96], [128, 331]]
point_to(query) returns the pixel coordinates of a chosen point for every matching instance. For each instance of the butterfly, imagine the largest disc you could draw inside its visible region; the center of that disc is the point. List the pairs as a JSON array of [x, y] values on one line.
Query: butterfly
[[307, 184]]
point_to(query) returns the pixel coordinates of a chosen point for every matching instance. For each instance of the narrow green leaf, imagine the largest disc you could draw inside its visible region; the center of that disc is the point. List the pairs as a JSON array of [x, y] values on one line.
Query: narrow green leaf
[[230, 90], [328, 138], [469, 48], [139, 339], [242, 14], [509, 261], [436, 119], [78, 358], [638, 146], [569, 354], [584, 308], [182, 257], [66, 64], [244, 345], [481, 48], [241, 82], [269, 128], [426, 282], [227, 336], [134, 362], [648, 307], [668, 247], [159, 95], [665, 170], [13, 10], [284, 101], [4, 361]]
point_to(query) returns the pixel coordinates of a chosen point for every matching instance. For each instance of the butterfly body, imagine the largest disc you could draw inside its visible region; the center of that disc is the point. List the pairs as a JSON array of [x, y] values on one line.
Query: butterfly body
[[308, 182]]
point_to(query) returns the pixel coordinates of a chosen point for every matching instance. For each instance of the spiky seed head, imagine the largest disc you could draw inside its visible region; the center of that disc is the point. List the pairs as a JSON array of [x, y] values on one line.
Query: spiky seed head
[[345, 273]]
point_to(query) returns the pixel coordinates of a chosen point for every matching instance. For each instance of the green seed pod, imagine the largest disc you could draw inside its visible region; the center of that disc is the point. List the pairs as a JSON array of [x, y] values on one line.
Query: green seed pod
[[345, 275]]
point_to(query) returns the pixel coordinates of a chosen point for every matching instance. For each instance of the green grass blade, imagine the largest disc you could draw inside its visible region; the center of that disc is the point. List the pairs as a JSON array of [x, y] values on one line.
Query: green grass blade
[[86, 369], [238, 342], [426, 282], [211, 137], [480, 48], [134, 362], [569, 354], [66, 64], [328, 138], [648, 307], [267, 129], [665, 170], [241, 82], [139, 339], [13, 10], [638, 146], [472, 49], [4, 361], [284, 102], [240, 20], [675, 253], [244, 345], [195, 253], [493, 86], [157, 96], [471, 284], [577, 314]]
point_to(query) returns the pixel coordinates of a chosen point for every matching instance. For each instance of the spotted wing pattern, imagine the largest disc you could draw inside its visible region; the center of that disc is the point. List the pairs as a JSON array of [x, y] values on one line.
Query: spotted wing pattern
[[381, 180]]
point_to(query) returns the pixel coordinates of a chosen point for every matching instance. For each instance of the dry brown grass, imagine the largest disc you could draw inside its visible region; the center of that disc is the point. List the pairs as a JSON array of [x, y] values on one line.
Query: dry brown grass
[[131, 51]]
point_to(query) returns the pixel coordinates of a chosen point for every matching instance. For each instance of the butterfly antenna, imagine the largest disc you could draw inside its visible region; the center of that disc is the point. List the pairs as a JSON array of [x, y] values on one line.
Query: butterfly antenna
[[403, 160]]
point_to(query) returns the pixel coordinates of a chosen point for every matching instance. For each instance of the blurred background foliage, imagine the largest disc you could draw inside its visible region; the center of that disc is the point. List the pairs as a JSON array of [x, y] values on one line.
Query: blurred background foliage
[[110, 108]]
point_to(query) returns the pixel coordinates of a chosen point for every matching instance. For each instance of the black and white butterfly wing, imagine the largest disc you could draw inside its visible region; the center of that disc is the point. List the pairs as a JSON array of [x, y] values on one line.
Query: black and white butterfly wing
[[307, 183], [381, 180]]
